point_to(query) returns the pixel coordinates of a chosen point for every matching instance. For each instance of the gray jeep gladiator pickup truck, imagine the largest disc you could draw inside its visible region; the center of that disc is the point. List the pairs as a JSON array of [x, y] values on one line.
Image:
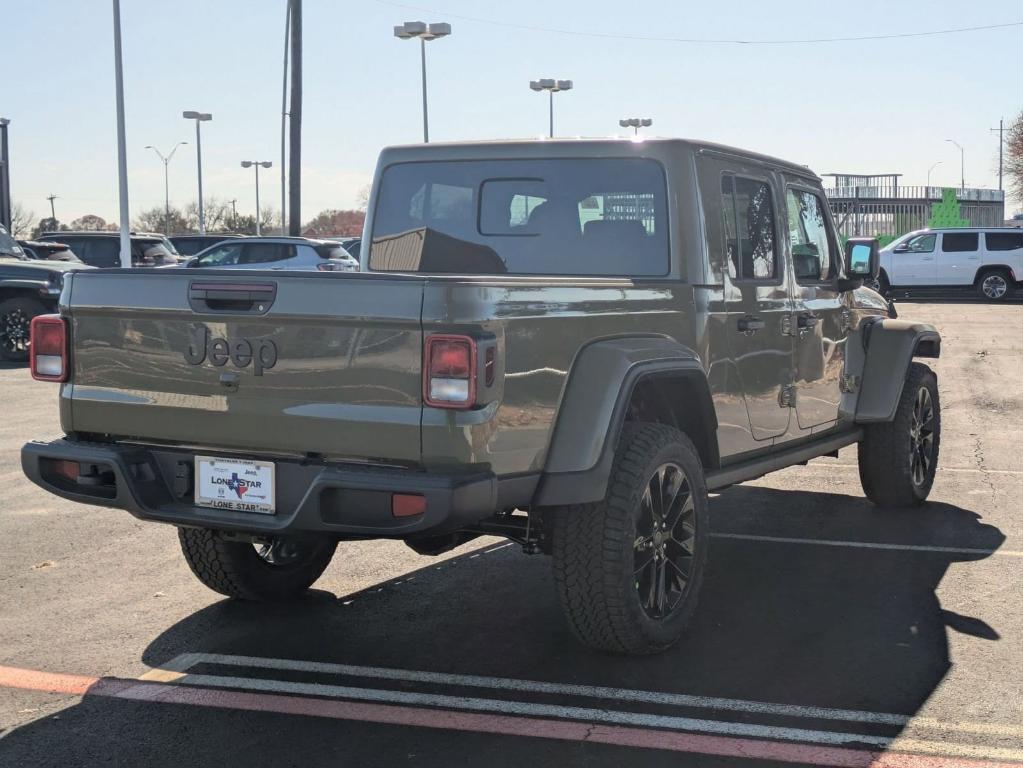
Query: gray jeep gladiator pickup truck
[[566, 343]]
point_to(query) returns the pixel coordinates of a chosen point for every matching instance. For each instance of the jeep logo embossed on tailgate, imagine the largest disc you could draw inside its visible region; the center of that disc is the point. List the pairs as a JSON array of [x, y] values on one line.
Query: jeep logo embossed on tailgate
[[240, 351]]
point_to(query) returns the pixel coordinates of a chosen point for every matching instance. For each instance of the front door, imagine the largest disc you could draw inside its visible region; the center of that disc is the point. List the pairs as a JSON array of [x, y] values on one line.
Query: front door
[[758, 301], [820, 323], [913, 261]]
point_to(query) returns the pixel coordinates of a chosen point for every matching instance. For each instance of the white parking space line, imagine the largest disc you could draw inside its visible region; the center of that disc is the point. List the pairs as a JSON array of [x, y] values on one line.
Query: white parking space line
[[179, 668], [605, 716], [869, 545]]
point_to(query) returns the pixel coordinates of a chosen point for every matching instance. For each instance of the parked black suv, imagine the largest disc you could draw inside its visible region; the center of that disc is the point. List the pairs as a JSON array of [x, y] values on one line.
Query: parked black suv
[[102, 249], [28, 287], [48, 251]]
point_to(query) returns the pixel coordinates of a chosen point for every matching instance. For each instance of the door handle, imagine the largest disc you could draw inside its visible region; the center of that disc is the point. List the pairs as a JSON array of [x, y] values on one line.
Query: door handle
[[750, 324], [807, 320]]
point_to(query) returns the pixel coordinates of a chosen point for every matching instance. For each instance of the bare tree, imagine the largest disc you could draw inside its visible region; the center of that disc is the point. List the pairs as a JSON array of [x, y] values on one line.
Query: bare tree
[[154, 220], [1014, 157], [22, 221], [362, 199]]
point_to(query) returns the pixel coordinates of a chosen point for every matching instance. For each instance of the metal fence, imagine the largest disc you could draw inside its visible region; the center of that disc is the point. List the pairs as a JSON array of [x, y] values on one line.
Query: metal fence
[[887, 212]]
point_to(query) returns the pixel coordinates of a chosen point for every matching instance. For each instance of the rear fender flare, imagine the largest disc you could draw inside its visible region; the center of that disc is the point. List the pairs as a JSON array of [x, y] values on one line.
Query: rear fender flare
[[594, 406], [877, 360]]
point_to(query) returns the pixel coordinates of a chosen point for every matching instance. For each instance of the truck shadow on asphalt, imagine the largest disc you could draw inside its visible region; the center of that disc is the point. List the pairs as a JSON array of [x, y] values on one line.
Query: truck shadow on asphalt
[[822, 626]]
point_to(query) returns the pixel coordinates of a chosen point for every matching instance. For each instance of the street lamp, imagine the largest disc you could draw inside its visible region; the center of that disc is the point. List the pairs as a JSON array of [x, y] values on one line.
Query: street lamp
[[929, 173], [636, 123], [425, 32], [166, 185], [5, 175], [552, 87], [199, 117], [255, 164], [962, 164]]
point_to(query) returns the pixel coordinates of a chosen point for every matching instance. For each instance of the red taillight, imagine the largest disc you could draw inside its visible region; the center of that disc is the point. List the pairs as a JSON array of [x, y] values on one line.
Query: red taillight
[[48, 355], [449, 373], [407, 504]]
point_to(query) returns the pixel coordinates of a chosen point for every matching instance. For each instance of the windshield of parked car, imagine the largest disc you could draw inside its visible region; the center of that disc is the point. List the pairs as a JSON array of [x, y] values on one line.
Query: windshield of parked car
[[9, 246], [155, 253], [560, 217]]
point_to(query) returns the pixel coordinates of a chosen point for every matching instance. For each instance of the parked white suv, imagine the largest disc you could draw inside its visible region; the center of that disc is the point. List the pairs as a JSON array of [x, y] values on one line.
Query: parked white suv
[[990, 260]]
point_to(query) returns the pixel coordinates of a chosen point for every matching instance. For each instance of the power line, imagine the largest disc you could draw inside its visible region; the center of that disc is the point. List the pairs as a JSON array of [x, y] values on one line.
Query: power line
[[698, 41]]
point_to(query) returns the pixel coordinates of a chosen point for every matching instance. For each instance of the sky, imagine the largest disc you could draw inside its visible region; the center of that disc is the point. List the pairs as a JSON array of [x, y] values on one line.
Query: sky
[[884, 106]]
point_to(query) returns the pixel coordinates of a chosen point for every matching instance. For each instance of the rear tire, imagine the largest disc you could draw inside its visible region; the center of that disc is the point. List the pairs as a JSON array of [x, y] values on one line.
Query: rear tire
[[279, 570], [898, 459], [995, 285], [628, 569], [881, 284], [15, 320]]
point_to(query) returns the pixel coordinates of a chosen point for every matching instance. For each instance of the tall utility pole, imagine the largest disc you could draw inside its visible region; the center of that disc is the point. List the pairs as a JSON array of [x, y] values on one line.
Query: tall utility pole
[[284, 120], [424, 32], [122, 150], [552, 86], [295, 159], [53, 211], [199, 117], [234, 212], [1001, 147], [166, 183], [256, 164], [962, 164]]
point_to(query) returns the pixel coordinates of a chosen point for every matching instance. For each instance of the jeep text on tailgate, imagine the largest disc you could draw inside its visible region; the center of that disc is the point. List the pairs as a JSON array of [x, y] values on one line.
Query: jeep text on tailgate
[[566, 343]]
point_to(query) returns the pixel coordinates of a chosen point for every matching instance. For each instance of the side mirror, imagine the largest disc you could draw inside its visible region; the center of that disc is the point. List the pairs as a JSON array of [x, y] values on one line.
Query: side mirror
[[862, 258], [903, 248]]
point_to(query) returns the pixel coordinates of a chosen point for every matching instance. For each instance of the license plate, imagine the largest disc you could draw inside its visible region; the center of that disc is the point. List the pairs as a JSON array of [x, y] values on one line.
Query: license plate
[[235, 484]]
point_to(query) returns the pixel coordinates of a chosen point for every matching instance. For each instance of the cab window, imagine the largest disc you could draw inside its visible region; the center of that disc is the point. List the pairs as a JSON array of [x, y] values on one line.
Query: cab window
[[751, 224], [920, 243]]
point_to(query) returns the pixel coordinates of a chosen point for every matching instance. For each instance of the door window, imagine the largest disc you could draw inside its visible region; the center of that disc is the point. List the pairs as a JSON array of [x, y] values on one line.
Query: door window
[[959, 242], [921, 243], [809, 236], [221, 256], [1004, 241], [754, 256], [99, 252]]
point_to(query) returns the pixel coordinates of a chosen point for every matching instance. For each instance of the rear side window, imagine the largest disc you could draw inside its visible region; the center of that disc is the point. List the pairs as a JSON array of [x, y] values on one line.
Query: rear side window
[[959, 242], [264, 253], [546, 217], [331, 252], [1003, 241], [220, 256], [748, 210], [98, 251]]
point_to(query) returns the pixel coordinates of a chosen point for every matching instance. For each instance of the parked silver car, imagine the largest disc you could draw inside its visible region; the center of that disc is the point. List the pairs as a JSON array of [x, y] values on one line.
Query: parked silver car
[[293, 253]]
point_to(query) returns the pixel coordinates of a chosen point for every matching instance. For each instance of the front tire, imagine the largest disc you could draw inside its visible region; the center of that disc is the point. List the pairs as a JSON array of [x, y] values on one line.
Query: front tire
[[628, 569], [277, 569], [995, 285], [898, 459], [15, 321]]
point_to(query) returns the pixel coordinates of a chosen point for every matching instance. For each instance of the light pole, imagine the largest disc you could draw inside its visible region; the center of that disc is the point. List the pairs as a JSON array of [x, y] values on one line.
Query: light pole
[[255, 164], [425, 32], [551, 86], [5, 175], [199, 117], [122, 145], [166, 183], [636, 123], [929, 173], [962, 164]]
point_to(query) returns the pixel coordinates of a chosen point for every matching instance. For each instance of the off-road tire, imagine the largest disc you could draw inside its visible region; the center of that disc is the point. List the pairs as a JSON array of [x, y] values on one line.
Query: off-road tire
[[22, 306], [1006, 283], [235, 568], [593, 548], [886, 451]]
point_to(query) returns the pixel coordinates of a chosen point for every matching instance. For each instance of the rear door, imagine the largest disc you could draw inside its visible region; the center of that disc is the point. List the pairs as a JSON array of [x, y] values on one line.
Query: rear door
[[259, 362], [758, 300], [267, 255], [958, 258]]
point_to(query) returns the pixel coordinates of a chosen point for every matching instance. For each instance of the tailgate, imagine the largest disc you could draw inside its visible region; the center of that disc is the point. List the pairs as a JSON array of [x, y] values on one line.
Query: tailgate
[[266, 362]]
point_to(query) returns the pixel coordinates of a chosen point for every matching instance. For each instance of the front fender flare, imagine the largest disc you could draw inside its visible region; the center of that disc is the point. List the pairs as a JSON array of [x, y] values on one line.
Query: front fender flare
[[593, 410], [878, 358]]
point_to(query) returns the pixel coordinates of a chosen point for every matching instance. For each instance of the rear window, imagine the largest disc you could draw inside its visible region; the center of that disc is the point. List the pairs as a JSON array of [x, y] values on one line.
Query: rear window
[[526, 217], [331, 252], [1003, 241]]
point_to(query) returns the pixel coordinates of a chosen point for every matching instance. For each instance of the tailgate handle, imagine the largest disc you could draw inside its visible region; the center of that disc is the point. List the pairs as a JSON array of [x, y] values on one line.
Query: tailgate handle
[[239, 298]]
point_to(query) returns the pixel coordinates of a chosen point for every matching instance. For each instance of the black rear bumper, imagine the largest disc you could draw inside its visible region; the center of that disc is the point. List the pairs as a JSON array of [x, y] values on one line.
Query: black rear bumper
[[347, 500]]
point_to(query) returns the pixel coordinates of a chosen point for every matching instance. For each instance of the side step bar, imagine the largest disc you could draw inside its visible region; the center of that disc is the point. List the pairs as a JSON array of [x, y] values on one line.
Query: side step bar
[[751, 469]]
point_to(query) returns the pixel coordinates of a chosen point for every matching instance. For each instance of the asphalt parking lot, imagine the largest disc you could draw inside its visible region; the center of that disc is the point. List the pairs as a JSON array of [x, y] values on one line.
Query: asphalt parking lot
[[829, 632]]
